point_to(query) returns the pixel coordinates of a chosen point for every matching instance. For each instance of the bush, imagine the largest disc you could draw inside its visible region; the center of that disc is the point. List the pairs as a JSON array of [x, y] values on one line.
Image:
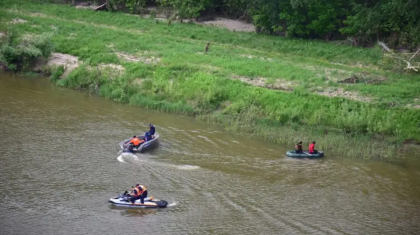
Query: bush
[[57, 72], [19, 52]]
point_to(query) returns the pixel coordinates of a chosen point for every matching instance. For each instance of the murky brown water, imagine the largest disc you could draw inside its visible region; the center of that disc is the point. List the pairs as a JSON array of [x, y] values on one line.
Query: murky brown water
[[60, 164]]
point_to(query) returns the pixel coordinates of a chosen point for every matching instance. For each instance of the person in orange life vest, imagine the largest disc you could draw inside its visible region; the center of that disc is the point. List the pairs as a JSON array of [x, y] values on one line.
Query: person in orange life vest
[[135, 194], [312, 148], [135, 142], [298, 147], [143, 192]]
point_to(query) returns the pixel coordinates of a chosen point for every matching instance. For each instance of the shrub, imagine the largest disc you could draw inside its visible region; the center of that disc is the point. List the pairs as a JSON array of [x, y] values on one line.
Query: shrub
[[19, 52]]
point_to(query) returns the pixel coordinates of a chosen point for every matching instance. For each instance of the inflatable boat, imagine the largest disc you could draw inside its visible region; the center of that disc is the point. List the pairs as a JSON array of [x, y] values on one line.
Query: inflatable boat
[[143, 147], [304, 154]]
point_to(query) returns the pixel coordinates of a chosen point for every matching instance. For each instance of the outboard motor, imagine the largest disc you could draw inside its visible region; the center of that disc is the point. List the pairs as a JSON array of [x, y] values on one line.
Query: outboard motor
[[127, 148]]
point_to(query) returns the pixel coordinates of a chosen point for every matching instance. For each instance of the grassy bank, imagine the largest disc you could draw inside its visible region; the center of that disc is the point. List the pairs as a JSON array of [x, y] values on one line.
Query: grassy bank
[[150, 64]]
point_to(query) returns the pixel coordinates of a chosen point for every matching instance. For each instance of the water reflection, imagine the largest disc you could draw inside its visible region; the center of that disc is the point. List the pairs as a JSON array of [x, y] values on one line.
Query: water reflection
[[60, 163], [138, 212]]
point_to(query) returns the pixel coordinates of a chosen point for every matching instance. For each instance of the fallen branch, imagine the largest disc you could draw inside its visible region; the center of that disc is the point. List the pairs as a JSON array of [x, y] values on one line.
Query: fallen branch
[[415, 54], [385, 47], [101, 7], [396, 56]]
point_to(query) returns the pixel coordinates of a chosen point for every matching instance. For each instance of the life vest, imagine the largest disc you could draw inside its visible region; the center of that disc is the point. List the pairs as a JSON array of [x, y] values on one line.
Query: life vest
[[135, 192], [135, 141], [142, 188]]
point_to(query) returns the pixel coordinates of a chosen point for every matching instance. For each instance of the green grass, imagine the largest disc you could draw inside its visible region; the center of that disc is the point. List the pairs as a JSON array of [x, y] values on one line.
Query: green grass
[[188, 81]]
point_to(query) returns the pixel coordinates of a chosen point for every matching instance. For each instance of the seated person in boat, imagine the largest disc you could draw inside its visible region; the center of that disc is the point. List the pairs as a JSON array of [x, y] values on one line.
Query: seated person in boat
[[135, 142], [143, 192], [148, 136], [135, 194], [312, 148], [298, 147], [151, 130]]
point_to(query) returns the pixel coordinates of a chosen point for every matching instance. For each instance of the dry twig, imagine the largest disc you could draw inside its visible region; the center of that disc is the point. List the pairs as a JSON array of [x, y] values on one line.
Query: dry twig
[[399, 57]]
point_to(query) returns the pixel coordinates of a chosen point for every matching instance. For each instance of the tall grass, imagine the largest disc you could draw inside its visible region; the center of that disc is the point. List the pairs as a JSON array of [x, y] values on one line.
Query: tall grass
[[188, 81]]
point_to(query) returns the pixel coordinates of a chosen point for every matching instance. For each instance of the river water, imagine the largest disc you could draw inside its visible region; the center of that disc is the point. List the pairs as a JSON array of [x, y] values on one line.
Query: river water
[[60, 163]]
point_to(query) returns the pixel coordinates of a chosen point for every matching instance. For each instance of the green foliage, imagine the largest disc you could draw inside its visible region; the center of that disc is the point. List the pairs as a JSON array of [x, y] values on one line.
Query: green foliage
[[131, 6], [19, 52], [187, 8], [57, 72], [398, 21], [186, 80], [395, 21], [238, 8]]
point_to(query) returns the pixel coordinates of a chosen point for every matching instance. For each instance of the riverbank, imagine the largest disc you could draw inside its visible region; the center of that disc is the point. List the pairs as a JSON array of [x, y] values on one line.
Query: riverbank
[[278, 89]]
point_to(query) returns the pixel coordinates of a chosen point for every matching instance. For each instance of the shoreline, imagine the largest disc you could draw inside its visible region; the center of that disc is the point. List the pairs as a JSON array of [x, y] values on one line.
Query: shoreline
[[202, 85]]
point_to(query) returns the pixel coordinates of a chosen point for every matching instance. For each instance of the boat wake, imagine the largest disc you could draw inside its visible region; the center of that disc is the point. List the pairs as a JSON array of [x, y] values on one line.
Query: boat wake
[[127, 157], [172, 204], [187, 167]]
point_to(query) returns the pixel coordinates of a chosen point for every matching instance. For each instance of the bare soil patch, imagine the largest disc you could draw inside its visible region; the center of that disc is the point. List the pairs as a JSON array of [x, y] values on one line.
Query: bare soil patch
[[139, 58], [363, 78], [210, 68], [72, 36], [335, 74], [138, 81], [257, 57], [18, 21], [233, 25], [415, 104], [340, 92], [86, 6], [112, 66], [42, 15], [358, 65], [277, 84], [111, 71], [68, 61]]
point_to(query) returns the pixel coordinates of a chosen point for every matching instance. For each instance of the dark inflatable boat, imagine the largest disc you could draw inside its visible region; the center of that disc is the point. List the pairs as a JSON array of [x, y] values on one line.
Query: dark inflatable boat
[[304, 154], [143, 147]]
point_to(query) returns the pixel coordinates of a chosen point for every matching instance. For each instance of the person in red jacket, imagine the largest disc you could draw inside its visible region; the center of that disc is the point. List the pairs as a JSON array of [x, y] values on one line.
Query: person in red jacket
[[312, 147]]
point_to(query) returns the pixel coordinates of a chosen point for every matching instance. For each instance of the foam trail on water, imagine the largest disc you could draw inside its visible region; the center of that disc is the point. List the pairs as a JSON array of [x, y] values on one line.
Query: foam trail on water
[[126, 156], [187, 167], [120, 158], [172, 204]]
